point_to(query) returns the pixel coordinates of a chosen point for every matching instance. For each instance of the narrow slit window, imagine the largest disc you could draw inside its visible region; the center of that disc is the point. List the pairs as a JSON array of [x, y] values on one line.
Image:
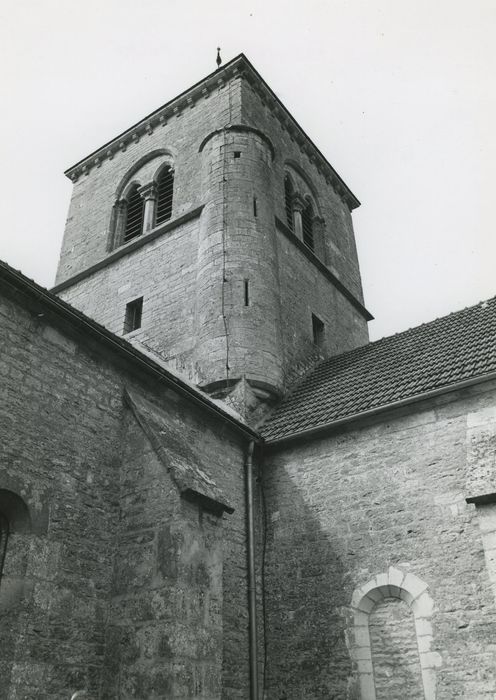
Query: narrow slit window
[[255, 211], [134, 312], [318, 331], [247, 293]]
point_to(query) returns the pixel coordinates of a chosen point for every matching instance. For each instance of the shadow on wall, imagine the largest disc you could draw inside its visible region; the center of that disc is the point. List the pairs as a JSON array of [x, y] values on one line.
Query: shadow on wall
[[394, 648], [15, 528], [305, 631], [322, 642]]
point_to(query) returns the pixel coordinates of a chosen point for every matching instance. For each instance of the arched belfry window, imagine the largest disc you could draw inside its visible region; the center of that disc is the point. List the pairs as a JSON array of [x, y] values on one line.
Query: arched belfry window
[[307, 217], [4, 536], [134, 214], [288, 200], [165, 191], [143, 199], [302, 214]]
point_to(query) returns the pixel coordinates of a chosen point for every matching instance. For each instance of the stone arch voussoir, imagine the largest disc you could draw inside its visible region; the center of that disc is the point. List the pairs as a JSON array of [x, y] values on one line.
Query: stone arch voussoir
[[414, 592]]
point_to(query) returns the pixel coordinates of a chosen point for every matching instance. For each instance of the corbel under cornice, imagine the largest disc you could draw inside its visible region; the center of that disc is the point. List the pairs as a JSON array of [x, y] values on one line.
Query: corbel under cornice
[[241, 67]]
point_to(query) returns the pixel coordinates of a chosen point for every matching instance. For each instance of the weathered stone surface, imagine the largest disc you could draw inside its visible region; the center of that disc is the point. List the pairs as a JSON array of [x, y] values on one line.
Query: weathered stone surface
[[230, 156], [481, 453], [121, 587], [390, 493], [395, 653], [375, 578], [181, 459]]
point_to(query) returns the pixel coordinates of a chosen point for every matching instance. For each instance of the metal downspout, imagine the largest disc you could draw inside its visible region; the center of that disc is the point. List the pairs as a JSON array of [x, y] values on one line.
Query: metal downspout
[[252, 589]]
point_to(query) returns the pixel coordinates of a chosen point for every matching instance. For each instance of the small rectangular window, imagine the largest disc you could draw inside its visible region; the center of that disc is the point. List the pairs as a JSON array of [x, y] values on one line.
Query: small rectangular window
[[247, 293], [237, 154], [318, 331], [255, 207], [134, 311]]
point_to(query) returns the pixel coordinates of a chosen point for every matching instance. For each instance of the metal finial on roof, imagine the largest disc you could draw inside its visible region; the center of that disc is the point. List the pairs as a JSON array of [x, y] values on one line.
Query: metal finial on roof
[[219, 59]]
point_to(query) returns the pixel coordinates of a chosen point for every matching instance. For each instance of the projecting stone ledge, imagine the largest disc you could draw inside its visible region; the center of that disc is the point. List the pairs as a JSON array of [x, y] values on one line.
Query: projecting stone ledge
[[182, 462]]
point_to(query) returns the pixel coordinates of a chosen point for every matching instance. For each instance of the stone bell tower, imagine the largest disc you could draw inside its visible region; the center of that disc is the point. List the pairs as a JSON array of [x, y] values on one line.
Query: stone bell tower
[[216, 234]]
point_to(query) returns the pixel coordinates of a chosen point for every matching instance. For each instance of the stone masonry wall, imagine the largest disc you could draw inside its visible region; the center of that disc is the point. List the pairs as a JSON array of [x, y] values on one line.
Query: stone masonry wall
[[344, 508], [305, 291], [341, 254], [163, 272], [395, 655], [237, 247], [87, 229], [95, 510], [165, 633], [192, 275], [59, 421]]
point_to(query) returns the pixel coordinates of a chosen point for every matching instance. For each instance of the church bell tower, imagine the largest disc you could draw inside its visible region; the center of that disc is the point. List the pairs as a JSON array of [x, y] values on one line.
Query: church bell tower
[[215, 234]]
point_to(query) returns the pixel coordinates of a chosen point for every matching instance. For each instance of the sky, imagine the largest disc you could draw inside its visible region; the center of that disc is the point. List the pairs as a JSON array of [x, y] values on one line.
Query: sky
[[398, 95]]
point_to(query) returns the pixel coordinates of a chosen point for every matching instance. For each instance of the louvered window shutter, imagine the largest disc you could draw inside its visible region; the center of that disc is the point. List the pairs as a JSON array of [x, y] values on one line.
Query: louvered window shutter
[[134, 216], [164, 196]]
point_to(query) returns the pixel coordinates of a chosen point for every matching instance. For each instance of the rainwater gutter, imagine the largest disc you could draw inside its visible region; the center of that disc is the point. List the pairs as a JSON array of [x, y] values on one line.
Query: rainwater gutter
[[321, 430]]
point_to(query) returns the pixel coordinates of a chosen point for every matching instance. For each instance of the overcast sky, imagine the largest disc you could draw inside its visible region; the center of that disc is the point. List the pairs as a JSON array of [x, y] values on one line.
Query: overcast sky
[[399, 96]]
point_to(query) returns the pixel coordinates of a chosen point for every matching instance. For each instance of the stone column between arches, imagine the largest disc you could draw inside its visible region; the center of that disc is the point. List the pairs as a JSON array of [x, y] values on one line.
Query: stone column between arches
[[413, 591], [148, 193]]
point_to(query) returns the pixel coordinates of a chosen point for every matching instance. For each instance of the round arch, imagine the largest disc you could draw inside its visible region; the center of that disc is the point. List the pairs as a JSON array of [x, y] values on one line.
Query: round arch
[[289, 165], [129, 187], [413, 591], [161, 167], [15, 510], [15, 525], [140, 163]]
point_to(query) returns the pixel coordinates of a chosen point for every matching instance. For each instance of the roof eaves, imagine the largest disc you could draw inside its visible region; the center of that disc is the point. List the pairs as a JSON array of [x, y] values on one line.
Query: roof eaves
[[17, 280], [321, 430], [156, 113], [188, 96], [353, 200]]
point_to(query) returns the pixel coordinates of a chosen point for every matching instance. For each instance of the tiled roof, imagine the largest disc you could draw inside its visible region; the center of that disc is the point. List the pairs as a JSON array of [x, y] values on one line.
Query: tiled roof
[[446, 351]]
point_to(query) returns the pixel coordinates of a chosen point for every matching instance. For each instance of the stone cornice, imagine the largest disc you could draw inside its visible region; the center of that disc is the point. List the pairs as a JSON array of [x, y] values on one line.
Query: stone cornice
[[324, 269], [296, 133], [240, 66], [136, 243], [157, 119]]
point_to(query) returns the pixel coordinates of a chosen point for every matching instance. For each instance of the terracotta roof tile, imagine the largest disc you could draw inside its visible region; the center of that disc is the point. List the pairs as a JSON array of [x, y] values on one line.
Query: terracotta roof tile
[[446, 351]]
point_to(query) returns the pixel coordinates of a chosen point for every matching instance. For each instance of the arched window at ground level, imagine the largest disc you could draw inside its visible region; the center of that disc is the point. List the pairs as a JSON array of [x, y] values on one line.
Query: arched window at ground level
[[15, 526], [4, 536], [394, 649], [376, 622]]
